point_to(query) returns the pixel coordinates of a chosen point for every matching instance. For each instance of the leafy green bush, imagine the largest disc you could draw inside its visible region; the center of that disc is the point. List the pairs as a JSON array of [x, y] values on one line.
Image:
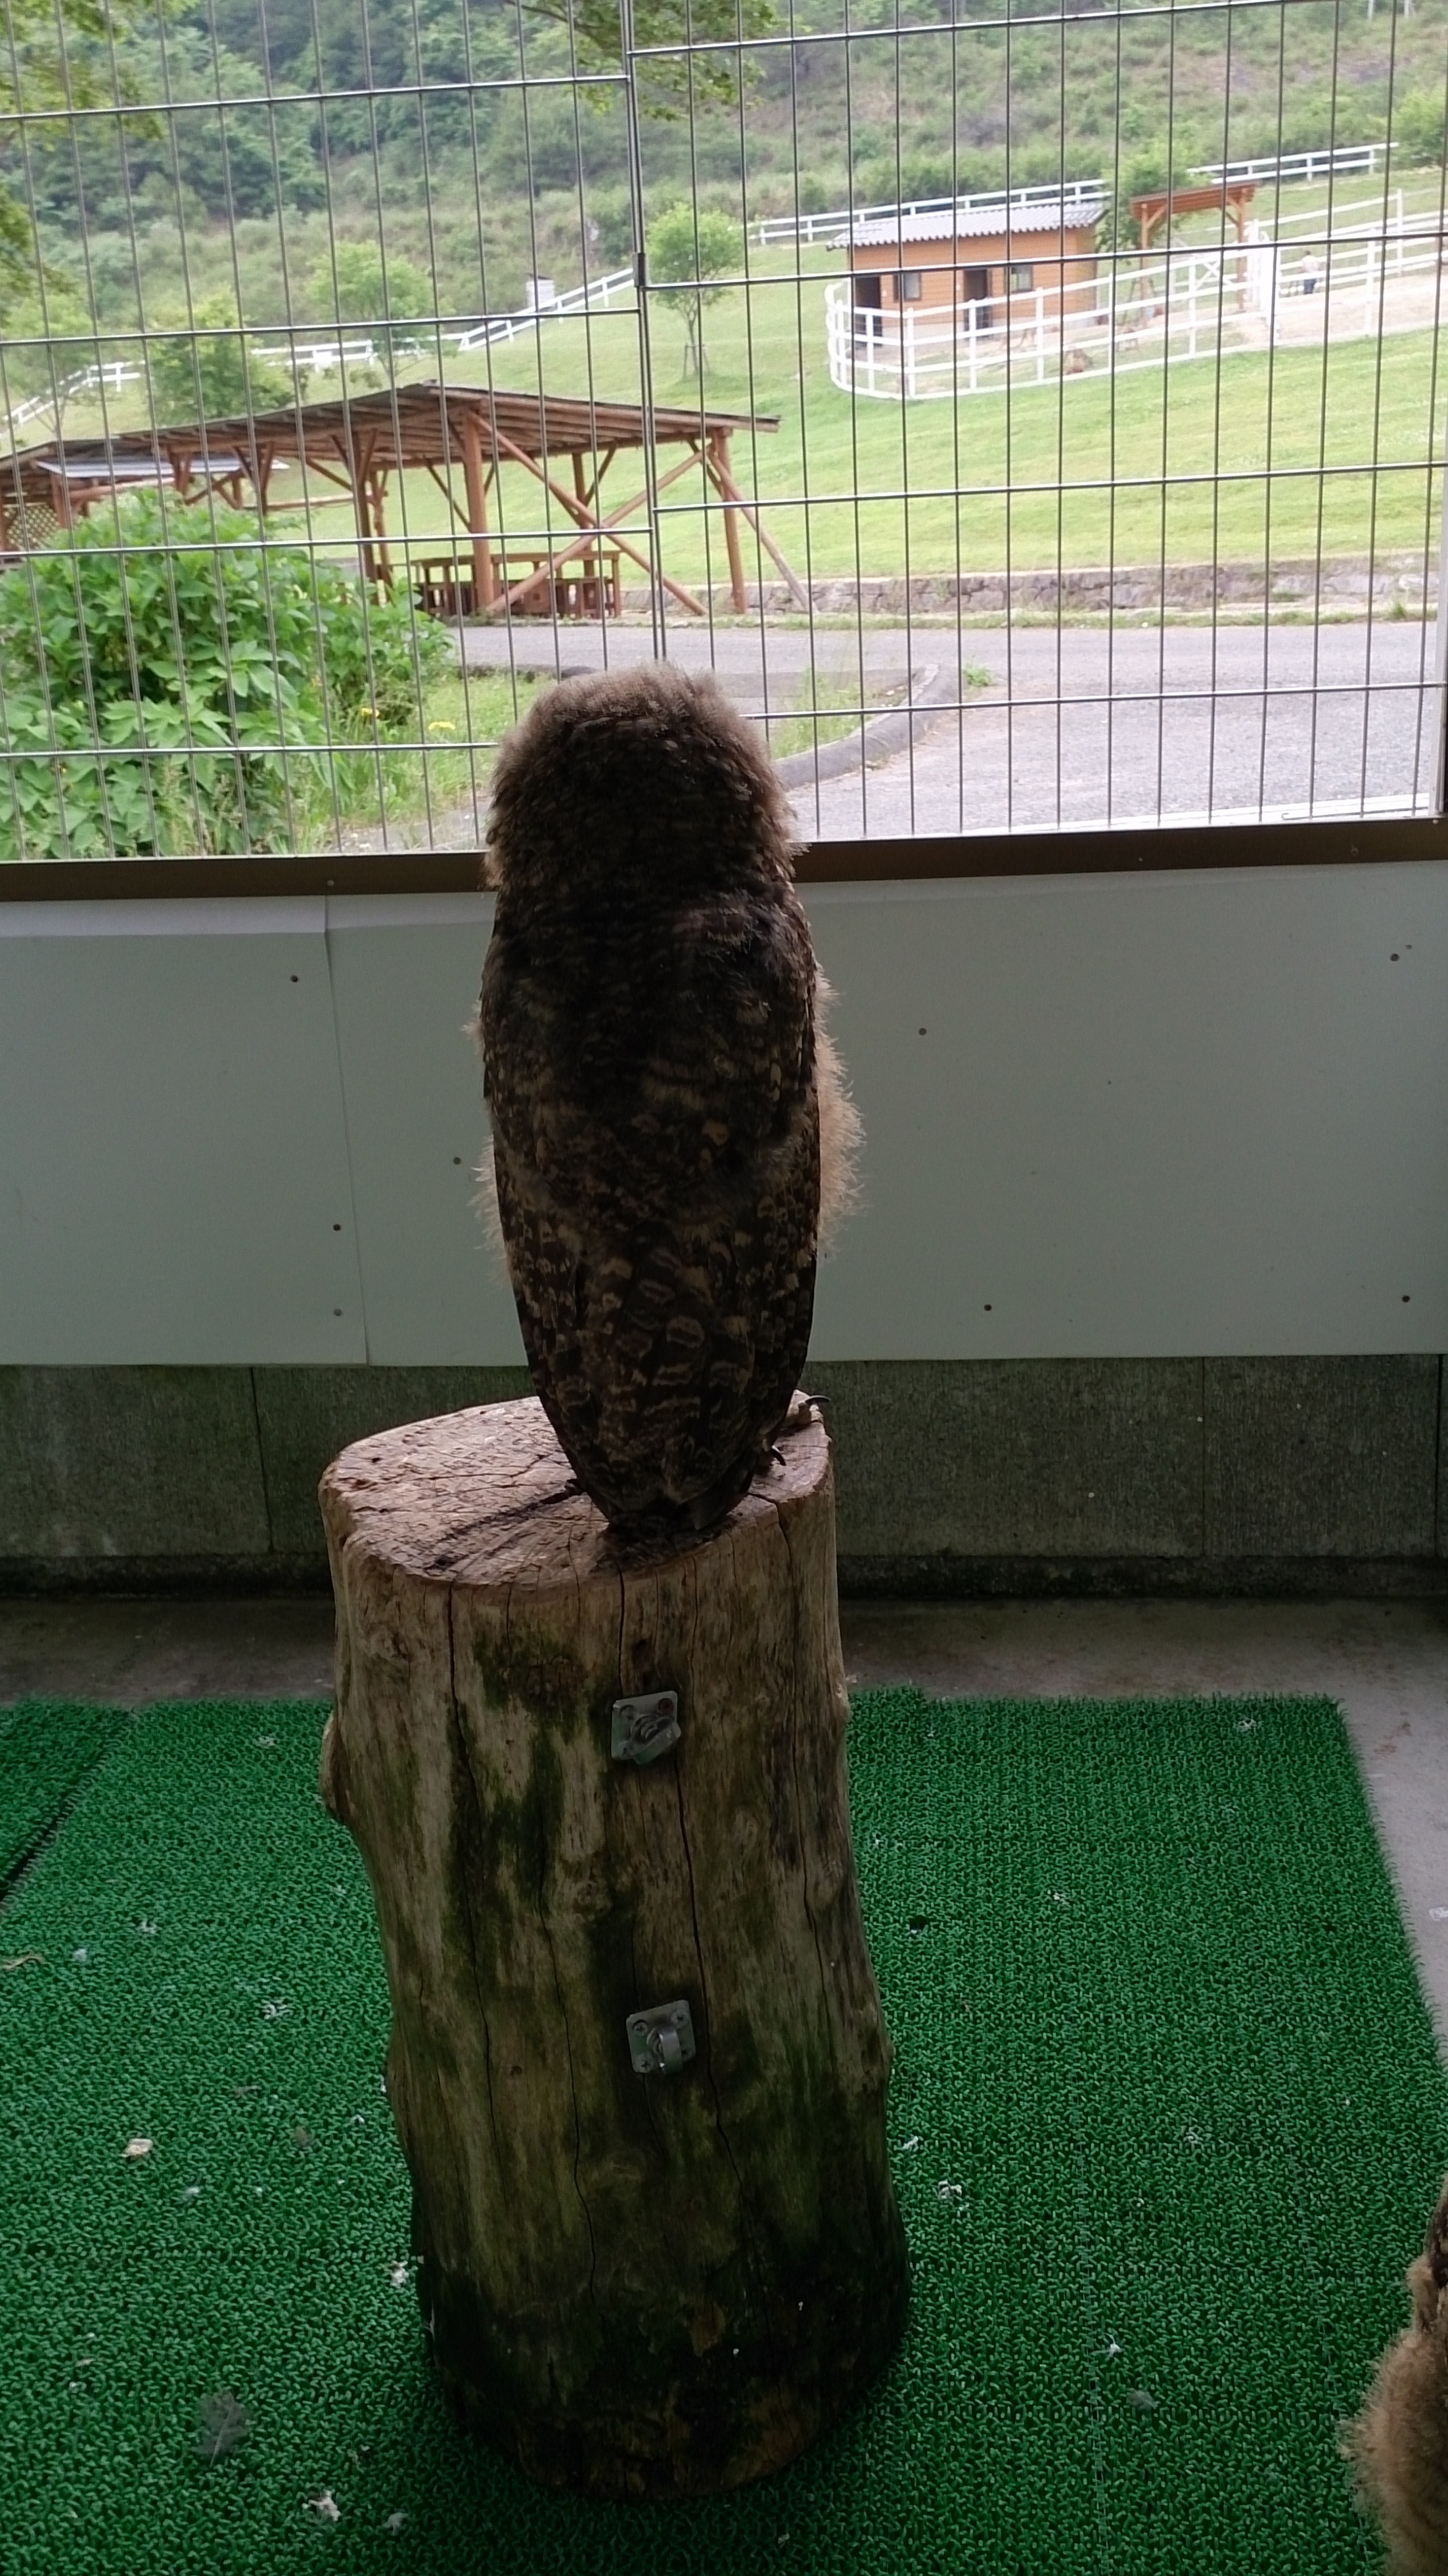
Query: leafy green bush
[[168, 683], [611, 225], [205, 370], [1420, 125]]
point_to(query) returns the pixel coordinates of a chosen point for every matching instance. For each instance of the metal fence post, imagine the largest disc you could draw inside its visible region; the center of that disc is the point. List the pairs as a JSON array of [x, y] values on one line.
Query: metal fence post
[[641, 289], [1440, 653]]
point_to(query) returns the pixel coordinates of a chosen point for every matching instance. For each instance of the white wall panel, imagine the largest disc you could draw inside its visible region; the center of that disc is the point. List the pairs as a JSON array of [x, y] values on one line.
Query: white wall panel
[[405, 975], [1201, 1112], [1192, 1113], [173, 1162]]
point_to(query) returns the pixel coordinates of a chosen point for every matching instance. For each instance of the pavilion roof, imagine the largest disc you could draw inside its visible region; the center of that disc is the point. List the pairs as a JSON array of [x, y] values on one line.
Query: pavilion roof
[[406, 425], [1149, 208]]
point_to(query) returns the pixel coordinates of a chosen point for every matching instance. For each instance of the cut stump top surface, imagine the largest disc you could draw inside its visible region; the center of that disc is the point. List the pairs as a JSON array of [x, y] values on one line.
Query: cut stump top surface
[[486, 1498]]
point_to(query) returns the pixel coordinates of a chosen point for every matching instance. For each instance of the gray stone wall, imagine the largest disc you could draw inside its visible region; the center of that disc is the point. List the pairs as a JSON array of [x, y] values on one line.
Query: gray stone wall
[[1337, 584], [955, 1477]]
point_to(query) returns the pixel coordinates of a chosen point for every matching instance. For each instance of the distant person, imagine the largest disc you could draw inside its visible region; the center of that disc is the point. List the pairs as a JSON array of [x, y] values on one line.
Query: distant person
[[1308, 274]]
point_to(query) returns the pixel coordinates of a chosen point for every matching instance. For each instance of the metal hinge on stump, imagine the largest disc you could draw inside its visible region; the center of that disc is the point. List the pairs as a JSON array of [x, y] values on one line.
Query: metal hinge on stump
[[661, 2040], [644, 1728]]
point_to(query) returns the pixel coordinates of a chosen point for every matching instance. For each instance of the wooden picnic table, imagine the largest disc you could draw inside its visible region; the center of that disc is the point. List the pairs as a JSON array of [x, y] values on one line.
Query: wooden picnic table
[[587, 585]]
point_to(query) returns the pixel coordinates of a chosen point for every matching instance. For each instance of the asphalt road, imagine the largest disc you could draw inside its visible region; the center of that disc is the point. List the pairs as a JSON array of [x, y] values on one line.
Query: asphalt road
[[1083, 725]]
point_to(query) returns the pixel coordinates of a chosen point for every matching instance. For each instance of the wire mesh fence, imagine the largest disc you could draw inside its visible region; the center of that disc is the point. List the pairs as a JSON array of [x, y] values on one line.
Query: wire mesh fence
[[1034, 417]]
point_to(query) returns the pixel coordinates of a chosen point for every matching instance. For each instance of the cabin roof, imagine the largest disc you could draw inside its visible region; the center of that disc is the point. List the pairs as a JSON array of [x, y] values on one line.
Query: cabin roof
[[973, 223]]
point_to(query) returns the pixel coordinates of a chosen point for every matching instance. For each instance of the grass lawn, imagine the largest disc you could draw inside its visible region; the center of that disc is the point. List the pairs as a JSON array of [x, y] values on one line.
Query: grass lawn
[[1277, 454], [1274, 454]]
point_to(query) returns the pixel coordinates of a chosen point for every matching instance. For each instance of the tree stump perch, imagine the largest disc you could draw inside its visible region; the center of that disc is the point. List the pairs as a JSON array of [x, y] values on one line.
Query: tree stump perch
[[636, 2284]]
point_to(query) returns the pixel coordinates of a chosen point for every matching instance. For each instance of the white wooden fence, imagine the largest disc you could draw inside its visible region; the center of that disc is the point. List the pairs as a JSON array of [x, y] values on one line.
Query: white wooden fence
[[1186, 303]]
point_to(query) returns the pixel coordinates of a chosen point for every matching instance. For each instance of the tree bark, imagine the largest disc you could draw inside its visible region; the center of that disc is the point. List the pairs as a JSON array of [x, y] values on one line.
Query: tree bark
[[649, 2284]]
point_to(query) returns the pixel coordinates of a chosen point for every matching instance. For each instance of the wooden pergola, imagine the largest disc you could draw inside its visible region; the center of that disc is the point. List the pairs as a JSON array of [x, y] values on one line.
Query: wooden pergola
[[358, 443], [1162, 206]]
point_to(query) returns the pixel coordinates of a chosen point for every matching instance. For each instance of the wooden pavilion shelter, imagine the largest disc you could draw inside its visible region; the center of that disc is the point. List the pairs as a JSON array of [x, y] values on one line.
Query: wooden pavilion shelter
[[1161, 206], [357, 443]]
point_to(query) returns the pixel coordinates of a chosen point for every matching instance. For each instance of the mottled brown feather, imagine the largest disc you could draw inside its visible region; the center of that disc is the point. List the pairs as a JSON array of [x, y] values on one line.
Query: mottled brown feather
[[1398, 2444], [648, 1033]]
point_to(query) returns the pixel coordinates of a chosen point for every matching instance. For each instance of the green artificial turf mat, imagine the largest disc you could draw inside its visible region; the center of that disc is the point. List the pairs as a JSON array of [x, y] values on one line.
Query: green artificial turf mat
[[1167, 2119], [46, 1748]]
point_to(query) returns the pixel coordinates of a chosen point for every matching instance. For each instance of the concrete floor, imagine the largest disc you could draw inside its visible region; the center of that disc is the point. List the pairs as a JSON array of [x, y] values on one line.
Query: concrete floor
[[1386, 1663]]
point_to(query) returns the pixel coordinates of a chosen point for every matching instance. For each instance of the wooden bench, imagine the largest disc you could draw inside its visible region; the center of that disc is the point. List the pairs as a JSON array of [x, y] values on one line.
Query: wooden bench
[[586, 586]]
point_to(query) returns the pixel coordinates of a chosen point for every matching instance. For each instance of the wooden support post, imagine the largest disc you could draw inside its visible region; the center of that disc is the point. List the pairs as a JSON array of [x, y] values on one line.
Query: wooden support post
[[724, 482], [360, 466], [378, 482], [636, 2283], [719, 448], [484, 588], [364, 529], [597, 527]]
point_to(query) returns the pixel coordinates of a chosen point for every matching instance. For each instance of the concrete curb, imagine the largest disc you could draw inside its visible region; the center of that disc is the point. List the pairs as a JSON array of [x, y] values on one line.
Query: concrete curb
[[933, 686]]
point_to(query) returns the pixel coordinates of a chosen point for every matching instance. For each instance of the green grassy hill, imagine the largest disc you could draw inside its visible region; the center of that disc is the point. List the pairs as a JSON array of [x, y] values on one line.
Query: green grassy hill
[[476, 158]]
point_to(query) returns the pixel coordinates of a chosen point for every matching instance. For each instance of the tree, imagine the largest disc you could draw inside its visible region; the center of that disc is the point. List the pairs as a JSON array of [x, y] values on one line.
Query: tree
[[206, 371], [356, 286], [50, 346], [51, 58], [688, 247], [669, 85], [1420, 125]]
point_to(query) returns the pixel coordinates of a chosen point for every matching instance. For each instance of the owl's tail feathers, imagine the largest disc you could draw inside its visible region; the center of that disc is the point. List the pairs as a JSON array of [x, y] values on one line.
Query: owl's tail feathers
[[1398, 2444], [675, 1524], [665, 1524]]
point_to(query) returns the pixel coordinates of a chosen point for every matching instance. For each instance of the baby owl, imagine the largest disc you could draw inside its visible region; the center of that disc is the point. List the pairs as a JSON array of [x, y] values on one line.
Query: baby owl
[[669, 1122]]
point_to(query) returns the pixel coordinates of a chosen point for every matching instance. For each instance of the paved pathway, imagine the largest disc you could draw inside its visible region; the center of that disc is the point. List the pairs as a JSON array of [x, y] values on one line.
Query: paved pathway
[[1095, 726], [1080, 725]]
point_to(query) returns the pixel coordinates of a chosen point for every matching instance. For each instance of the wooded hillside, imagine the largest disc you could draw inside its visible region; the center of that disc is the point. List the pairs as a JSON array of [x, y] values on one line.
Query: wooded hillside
[[453, 132]]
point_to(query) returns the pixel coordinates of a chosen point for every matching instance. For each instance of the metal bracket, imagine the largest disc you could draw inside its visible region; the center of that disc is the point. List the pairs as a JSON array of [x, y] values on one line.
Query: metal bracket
[[646, 1727], [661, 2040]]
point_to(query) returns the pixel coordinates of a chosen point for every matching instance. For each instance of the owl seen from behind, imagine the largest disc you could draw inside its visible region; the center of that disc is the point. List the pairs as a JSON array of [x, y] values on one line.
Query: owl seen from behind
[[658, 1086]]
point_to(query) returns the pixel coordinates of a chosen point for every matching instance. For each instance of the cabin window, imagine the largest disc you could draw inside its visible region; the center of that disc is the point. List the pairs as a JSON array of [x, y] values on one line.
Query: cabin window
[[907, 286], [1023, 277]]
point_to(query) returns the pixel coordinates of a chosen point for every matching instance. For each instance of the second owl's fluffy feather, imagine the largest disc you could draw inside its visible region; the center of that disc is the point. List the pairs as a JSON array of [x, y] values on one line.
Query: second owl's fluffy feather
[[653, 1077]]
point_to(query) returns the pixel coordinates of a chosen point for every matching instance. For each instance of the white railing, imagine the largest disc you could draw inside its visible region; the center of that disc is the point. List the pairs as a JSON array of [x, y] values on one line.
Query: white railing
[[318, 357], [578, 299], [1299, 165], [1311, 219], [85, 380], [815, 227], [321, 357], [1184, 304], [1031, 338], [776, 229]]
